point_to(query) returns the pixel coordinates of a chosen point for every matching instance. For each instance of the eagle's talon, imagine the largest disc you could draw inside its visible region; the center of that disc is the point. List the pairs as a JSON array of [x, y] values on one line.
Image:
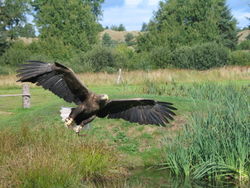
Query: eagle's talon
[[68, 122]]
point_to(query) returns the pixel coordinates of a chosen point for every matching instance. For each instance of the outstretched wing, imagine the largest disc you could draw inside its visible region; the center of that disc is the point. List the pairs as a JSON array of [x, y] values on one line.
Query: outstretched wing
[[142, 111], [55, 77]]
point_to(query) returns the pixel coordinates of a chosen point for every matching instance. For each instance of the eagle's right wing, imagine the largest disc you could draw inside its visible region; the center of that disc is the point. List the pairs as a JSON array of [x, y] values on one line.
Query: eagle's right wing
[[139, 110], [55, 77]]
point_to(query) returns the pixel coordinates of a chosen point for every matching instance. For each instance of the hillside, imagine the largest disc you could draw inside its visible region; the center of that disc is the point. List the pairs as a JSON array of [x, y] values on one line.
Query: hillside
[[118, 35], [242, 35]]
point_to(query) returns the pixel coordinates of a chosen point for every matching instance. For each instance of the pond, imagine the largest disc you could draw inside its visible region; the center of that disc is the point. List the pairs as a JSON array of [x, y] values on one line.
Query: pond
[[151, 177]]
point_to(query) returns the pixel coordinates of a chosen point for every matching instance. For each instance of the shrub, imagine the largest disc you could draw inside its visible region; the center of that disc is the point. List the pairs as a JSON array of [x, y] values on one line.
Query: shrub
[[240, 57], [101, 59], [129, 39], [106, 40], [245, 45], [123, 56], [159, 57], [15, 55], [201, 57]]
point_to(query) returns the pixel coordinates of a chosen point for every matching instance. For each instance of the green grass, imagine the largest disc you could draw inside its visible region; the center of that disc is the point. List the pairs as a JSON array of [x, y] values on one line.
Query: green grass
[[40, 152], [215, 144]]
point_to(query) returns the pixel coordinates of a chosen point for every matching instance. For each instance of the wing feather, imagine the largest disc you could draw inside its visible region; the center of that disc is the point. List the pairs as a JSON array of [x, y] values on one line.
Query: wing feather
[[54, 77], [142, 111]]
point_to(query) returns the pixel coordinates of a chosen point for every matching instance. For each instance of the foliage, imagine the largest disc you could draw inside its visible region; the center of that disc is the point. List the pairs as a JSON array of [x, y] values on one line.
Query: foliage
[[71, 22], [12, 18], [101, 59], [200, 57], [160, 57], [121, 27], [129, 39], [240, 57], [15, 55], [106, 40], [186, 23], [144, 27], [96, 7], [244, 45], [27, 31]]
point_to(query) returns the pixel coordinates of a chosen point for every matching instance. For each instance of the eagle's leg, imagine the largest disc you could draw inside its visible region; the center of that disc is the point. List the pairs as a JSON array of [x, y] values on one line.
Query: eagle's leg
[[69, 120], [83, 123]]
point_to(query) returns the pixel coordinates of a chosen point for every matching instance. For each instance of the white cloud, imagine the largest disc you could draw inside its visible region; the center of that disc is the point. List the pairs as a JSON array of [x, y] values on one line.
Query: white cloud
[[153, 2], [132, 14], [132, 18], [241, 17], [133, 3]]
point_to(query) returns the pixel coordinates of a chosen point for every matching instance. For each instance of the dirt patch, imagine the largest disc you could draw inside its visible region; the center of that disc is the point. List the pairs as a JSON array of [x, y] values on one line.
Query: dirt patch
[[243, 35], [178, 123]]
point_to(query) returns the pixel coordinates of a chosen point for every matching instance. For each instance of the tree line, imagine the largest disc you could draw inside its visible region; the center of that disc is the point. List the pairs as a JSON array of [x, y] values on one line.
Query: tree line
[[196, 34]]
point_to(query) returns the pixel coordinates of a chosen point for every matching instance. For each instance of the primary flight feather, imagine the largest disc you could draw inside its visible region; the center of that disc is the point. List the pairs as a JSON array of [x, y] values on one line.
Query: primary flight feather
[[63, 82]]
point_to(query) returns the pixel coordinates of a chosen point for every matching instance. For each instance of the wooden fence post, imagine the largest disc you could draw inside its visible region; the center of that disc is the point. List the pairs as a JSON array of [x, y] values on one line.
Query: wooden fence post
[[26, 96], [119, 78]]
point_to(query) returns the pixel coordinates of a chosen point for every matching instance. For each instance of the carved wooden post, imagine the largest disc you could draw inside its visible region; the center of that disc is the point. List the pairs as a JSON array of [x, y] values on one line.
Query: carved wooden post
[[26, 96], [119, 78]]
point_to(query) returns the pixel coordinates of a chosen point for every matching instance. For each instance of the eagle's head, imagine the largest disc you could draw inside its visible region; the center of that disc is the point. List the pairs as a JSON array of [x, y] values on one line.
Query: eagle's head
[[103, 99]]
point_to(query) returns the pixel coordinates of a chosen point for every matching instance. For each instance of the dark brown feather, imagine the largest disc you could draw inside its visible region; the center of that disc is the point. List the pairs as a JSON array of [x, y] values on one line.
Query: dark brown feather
[[55, 77], [142, 111]]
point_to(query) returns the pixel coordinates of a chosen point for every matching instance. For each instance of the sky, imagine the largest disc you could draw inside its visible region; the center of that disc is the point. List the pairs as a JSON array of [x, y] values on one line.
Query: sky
[[132, 13]]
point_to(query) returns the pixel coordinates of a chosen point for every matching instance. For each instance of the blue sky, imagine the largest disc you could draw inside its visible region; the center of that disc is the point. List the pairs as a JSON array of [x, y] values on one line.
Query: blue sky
[[132, 13]]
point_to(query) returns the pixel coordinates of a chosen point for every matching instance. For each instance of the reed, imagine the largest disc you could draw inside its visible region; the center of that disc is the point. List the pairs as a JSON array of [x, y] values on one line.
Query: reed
[[214, 145]]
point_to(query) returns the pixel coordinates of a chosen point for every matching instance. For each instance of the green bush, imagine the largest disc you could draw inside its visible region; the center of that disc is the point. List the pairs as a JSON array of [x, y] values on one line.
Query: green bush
[[124, 56], [101, 59], [201, 57], [240, 57], [15, 55], [245, 45], [159, 57]]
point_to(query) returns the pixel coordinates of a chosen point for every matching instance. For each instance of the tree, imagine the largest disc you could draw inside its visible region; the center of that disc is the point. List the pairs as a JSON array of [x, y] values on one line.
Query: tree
[[73, 22], [96, 7], [12, 16], [121, 27], [129, 39], [186, 23], [27, 31], [144, 27], [106, 40]]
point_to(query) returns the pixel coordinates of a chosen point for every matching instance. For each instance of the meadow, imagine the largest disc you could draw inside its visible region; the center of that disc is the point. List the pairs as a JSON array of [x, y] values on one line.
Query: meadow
[[207, 144]]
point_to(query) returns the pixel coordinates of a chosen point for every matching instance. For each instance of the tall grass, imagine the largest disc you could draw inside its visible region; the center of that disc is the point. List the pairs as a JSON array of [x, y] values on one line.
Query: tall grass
[[215, 144], [50, 157], [162, 76]]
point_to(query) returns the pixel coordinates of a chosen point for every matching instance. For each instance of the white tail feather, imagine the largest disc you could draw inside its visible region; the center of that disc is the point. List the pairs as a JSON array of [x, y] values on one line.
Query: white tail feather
[[65, 111]]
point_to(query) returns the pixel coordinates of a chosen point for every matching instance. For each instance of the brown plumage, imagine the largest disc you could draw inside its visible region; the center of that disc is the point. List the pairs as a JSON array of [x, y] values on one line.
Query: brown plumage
[[63, 82]]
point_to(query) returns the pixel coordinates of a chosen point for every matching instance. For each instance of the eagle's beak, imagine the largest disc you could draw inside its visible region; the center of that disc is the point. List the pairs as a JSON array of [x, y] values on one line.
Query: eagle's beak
[[105, 97]]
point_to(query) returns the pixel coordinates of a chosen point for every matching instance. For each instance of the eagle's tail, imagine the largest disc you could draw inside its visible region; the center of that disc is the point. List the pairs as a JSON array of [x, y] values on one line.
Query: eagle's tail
[[65, 112]]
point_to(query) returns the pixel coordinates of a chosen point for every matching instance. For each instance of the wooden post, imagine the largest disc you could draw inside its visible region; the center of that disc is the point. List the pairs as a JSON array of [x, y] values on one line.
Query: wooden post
[[119, 78], [26, 96]]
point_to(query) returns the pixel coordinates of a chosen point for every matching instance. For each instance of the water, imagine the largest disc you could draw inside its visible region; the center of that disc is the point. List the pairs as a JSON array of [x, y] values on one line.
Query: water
[[150, 178]]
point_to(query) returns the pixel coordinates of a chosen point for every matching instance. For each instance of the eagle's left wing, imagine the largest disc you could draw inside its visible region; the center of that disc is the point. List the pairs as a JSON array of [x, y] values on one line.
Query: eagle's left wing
[[55, 77], [138, 110]]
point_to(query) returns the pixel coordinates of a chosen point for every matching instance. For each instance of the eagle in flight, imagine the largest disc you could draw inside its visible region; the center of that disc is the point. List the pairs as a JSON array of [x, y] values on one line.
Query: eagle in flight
[[63, 82]]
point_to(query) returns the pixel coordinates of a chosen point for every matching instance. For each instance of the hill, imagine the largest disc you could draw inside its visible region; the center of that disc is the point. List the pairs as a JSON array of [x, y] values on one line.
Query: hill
[[118, 35]]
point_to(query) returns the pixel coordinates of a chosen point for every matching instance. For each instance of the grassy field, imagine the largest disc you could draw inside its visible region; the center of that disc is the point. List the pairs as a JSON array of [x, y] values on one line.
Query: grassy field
[[207, 142]]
